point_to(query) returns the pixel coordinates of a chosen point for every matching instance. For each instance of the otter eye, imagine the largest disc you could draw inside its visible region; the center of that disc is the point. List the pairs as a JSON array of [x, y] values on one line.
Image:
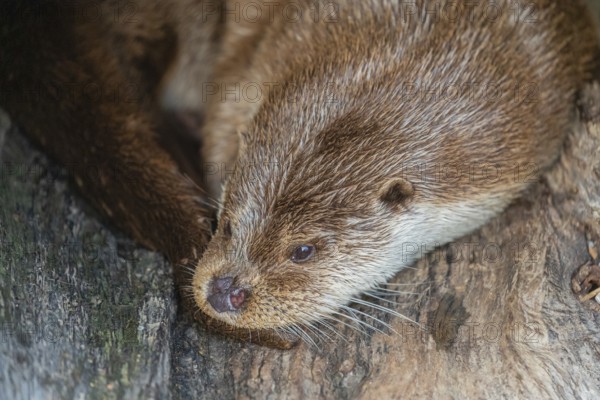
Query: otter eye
[[303, 253]]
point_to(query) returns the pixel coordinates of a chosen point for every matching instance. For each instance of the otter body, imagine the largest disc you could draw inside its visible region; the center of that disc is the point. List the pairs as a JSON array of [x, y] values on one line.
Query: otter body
[[336, 136]]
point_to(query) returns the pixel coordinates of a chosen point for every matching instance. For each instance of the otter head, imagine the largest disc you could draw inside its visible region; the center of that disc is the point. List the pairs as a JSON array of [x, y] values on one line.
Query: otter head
[[306, 224]]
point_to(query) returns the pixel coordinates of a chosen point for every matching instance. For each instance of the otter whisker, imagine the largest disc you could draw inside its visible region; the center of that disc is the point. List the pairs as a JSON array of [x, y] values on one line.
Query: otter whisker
[[292, 329], [359, 321], [358, 328], [372, 295], [325, 325], [392, 291], [188, 295], [387, 289], [334, 314], [319, 334], [391, 294], [402, 284], [350, 310], [283, 333], [187, 270], [332, 329], [303, 335], [388, 326], [287, 331], [279, 332], [384, 309]]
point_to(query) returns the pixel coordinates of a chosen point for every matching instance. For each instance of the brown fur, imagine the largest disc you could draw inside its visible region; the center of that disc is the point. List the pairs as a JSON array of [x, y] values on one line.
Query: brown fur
[[334, 129], [312, 171]]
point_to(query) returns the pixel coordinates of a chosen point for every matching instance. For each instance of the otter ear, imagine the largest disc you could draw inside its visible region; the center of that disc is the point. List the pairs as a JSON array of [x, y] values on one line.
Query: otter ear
[[396, 192]]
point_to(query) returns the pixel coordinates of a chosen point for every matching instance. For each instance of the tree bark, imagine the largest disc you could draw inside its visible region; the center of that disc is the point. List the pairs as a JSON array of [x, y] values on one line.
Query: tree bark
[[504, 312]]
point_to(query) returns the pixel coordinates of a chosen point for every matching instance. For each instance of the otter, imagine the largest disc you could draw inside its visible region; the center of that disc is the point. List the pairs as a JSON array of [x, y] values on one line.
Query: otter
[[334, 136], [435, 128]]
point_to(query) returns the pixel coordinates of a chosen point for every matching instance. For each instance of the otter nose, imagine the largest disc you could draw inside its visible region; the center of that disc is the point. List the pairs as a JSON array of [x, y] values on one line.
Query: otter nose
[[224, 296]]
